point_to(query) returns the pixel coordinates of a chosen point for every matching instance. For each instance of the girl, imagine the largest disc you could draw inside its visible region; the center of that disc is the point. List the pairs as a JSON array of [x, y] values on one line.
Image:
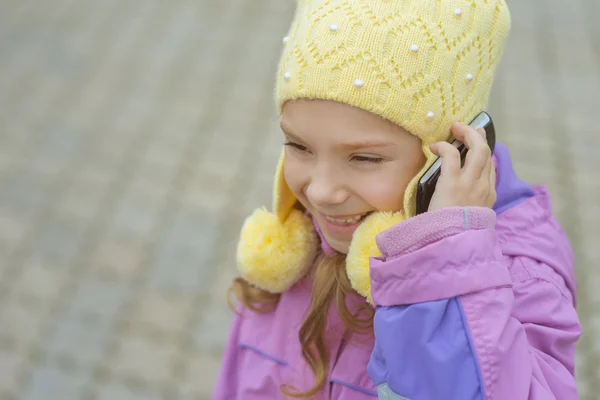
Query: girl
[[345, 293]]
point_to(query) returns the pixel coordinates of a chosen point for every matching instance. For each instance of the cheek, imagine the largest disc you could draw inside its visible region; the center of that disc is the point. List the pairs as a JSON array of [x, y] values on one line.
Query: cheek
[[295, 176], [385, 192]]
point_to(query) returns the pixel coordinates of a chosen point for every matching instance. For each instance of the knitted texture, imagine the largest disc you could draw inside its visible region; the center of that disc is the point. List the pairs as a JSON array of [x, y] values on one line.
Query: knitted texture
[[421, 64], [399, 59]]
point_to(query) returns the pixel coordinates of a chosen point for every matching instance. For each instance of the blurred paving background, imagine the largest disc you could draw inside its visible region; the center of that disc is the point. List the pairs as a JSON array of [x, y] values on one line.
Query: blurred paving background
[[135, 136]]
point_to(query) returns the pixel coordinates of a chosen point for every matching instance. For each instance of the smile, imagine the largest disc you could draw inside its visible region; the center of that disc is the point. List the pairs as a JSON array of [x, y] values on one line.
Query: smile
[[346, 221]]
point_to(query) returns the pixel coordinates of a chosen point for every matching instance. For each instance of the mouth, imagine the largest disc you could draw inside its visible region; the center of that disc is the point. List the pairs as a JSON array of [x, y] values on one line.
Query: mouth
[[347, 220]]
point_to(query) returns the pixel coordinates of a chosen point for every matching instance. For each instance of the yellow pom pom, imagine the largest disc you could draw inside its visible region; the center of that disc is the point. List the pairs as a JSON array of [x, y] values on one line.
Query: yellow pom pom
[[273, 255], [363, 247]]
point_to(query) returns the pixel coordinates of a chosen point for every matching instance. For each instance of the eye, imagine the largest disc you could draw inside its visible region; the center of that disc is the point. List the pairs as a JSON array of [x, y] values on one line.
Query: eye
[[296, 146], [374, 160]]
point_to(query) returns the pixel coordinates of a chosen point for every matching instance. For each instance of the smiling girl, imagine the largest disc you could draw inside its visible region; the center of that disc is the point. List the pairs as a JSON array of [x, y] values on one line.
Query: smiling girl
[[345, 293]]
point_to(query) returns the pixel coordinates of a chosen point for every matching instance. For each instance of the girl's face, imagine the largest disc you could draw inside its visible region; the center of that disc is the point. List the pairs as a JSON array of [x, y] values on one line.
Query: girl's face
[[343, 163]]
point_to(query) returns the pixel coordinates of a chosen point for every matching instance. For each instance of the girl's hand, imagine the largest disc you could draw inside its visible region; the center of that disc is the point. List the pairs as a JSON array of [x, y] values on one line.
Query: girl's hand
[[472, 185]]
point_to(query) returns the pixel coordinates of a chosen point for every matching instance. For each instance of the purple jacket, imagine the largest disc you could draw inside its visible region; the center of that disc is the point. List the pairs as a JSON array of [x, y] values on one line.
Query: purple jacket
[[471, 303]]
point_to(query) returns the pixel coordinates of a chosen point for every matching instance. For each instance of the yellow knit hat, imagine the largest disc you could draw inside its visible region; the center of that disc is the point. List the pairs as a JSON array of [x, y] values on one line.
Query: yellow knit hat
[[421, 64]]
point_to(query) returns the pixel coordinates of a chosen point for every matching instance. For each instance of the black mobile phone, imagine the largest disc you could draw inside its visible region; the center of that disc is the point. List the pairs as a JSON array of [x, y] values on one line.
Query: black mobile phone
[[429, 179]]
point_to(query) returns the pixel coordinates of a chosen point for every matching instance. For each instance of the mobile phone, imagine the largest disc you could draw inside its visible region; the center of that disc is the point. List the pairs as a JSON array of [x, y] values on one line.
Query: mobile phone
[[427, 183]]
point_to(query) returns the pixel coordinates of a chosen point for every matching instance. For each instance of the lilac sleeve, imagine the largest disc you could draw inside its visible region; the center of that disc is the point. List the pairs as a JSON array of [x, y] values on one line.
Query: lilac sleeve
[[457, 319]]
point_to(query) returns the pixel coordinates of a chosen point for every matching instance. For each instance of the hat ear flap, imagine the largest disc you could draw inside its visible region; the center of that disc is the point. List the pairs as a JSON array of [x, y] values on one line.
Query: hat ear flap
[[283, 198], [277, 249], [363, 247]]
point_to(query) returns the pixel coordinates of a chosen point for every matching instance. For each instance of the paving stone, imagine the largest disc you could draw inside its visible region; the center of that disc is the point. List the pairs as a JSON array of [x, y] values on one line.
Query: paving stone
[[213, 327], [82, 201], [8, 159], [166, 311], [13, 228], [205, 194], [99, 297], [257, 195], [143, 360], [222, 160], [49, 382], [59, 239], [157, 177], [181, 260], [136, 215], [22, 324], [50, 168], [99, 172], [83, 340], [11, 364], [224, 275], [200, 376], [23, 191], [60, 142], [116, 258], [40, 280], [115, 391], [165, 151]]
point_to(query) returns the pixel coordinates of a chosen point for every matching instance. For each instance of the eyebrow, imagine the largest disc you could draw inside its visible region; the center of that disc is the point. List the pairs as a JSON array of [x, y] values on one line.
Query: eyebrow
[[366, 144], [363, 144]]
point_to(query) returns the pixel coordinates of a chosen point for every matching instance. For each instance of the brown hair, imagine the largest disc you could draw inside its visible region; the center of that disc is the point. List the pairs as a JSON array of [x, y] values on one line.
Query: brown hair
[[330, 284]]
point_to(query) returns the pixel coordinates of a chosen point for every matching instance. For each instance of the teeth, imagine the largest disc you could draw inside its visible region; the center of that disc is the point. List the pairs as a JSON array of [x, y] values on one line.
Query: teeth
[[348, 221]]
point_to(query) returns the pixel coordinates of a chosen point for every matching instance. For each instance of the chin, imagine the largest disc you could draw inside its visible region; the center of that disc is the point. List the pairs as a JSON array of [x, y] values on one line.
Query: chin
[[339, 246]]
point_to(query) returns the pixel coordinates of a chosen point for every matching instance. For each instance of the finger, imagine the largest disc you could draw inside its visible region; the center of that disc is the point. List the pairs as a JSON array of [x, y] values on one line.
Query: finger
[[479, 152], [481, 131], [492, 175], [492, 182], [489, 165], [450, 157], [461, 130]]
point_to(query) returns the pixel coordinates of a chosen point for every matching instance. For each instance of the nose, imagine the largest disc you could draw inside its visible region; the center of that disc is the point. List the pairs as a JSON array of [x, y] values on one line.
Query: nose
[[326, 188]]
